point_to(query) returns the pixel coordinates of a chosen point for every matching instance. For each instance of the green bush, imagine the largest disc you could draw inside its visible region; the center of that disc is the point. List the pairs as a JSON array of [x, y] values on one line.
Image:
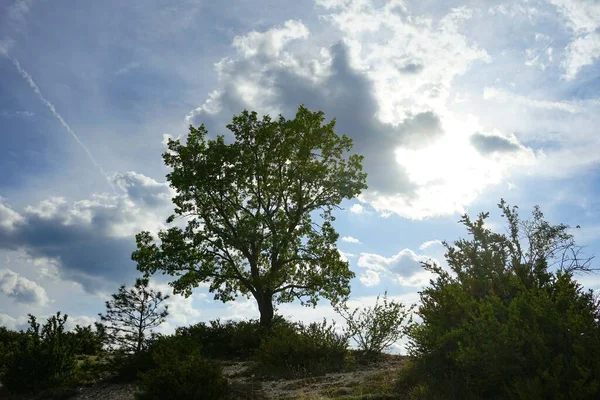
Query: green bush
[[376, 328], [128, 366], [7, 339], [502, 324], [88, 341], [180, 372], [39, 358], [299, 350], [228, 340]]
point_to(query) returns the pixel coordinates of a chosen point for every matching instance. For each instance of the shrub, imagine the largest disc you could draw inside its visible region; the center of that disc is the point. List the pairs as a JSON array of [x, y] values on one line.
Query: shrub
[[501, 324], [88, 341], [230, 339], [180, 372], [376, 328], [301, 350], [129, 366], [39, 358]]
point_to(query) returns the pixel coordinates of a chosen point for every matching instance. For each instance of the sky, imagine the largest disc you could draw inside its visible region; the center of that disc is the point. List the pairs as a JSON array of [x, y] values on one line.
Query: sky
[[454, 104]]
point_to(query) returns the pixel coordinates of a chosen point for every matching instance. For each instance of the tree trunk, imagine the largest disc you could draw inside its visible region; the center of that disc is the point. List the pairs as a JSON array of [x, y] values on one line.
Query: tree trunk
[[265, 306]]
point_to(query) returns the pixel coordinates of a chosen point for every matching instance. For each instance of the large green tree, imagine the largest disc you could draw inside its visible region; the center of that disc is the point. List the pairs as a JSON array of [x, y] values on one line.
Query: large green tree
[[258, 211]]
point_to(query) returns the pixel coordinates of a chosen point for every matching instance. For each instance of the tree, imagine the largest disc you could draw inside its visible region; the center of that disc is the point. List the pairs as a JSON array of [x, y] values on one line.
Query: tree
[[507, 319], [249, 207], [131, 314]]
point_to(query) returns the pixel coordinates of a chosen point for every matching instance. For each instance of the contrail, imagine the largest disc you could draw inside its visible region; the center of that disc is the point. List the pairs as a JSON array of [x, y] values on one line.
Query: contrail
[[60, 119]]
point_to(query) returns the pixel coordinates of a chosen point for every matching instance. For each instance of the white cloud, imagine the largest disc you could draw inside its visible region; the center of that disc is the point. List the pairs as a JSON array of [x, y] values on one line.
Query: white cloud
[[350, 239], [580, 52], [430, 243], [514, 10], [13, 323], [270, 43], [181, 309], [21, 289], [405, 268], [357, 209], [8, 217], [369, 278], [583, 18]]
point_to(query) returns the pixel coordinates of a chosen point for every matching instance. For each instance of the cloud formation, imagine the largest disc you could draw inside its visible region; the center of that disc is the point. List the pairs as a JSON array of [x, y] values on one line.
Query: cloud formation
[[405, 268], [350, 239], [393, 104], [582, 17], [21, 289], [91, 240]]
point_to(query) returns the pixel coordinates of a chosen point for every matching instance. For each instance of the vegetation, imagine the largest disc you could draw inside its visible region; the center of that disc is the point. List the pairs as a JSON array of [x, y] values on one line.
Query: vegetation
[[505, 319], [302, 350], [131, 315], [376, 328], [41, 357], [249, 208], [227, 340], [181, 372], [501, 324]]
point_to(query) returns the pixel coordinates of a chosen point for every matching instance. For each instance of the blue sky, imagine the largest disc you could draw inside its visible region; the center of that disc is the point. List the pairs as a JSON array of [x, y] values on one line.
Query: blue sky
[[454, 105]]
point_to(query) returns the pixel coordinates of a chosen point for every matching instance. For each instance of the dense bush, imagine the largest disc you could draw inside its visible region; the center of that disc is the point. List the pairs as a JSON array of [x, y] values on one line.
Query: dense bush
[[503, 324], [302, 350], [230, 339], [39, 358], [376, 328], [88, 341], [128, 366], [180, 372], [225, 340]]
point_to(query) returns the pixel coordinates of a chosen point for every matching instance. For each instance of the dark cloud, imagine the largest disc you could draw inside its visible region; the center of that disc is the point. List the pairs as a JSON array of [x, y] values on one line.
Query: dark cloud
[[487, 144], [411, 68], [345, 94], [93, 239]]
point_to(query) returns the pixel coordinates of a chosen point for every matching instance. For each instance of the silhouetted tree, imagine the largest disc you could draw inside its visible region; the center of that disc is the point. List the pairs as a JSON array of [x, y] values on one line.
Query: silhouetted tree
[[249, 207], [131, 315]]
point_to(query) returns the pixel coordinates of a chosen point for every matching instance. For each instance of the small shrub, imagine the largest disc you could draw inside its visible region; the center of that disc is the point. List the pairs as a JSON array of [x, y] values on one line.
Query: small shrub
[[300, 350], [39, 358], [376, 328], [180, 372]]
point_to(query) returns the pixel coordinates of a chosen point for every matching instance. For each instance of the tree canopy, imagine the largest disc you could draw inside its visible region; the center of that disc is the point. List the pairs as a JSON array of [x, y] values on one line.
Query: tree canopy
[[258, 211]]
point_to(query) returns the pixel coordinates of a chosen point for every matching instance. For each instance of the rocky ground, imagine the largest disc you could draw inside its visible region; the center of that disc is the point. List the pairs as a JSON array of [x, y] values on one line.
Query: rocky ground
[[367, 382]]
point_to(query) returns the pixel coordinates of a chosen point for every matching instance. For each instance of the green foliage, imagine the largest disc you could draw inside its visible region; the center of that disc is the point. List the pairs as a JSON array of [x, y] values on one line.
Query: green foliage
[[39, 358], [376, 328], [131, 315], [7, 339], [180, 372], [88, 341], [225, 340], [502, 324], [301, 350], [249, 208]]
